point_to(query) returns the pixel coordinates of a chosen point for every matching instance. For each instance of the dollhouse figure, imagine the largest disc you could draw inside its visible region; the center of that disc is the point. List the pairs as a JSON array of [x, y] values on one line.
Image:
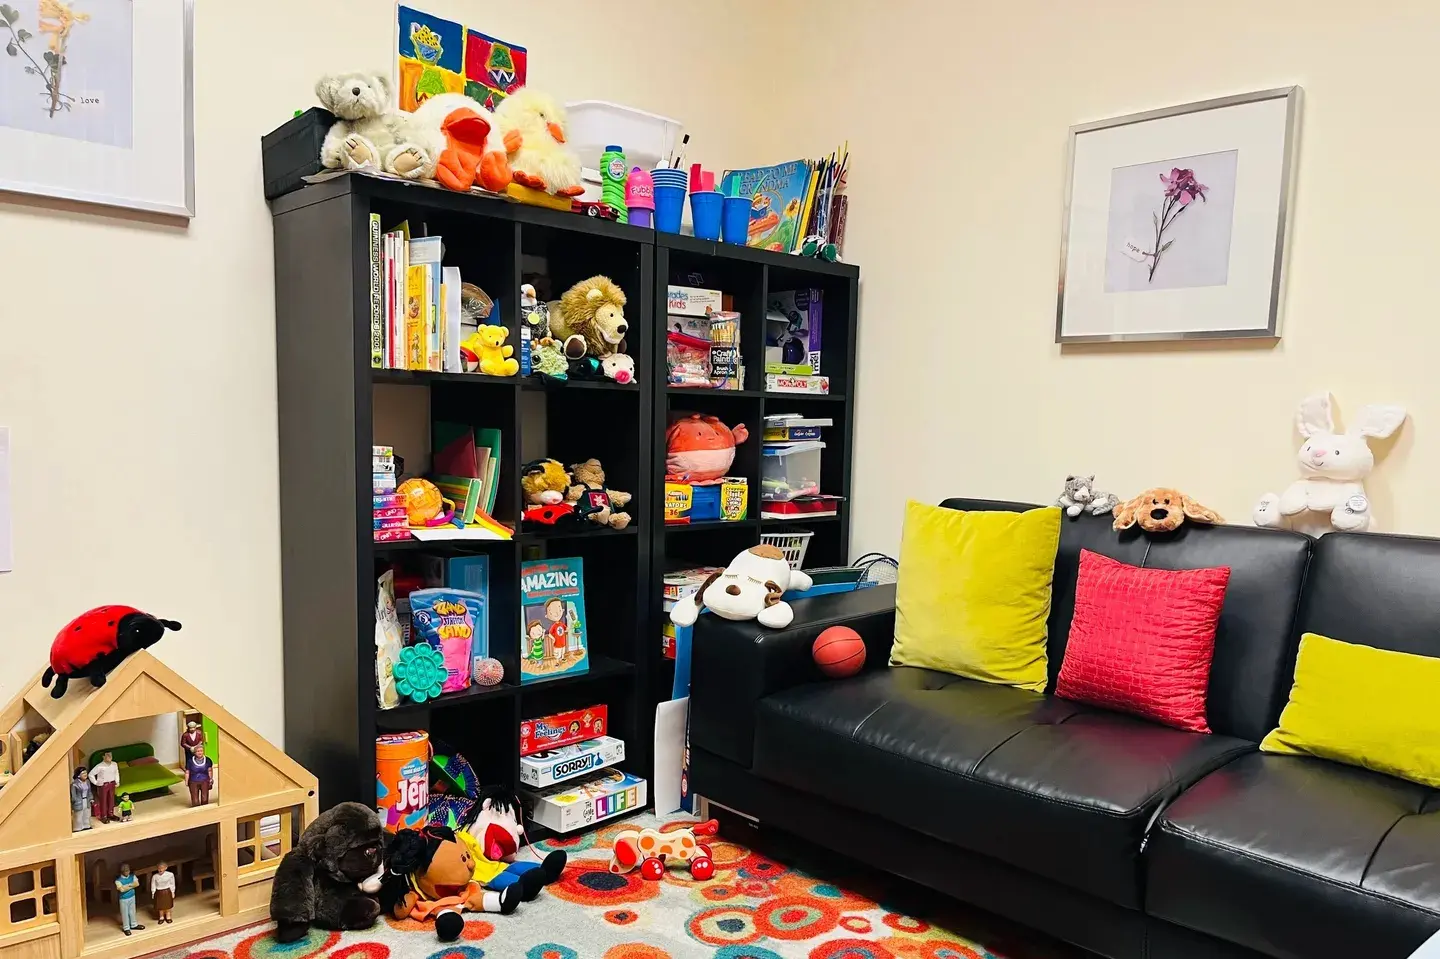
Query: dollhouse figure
[[80, 795], [199, 775], [125, 884], [162, 892], [192, 736], [126, 806], [558, 636], [105, 776]]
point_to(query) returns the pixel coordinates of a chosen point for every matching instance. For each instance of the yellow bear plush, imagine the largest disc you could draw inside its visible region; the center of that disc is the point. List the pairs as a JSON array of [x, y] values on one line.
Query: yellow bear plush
[[487, 343]]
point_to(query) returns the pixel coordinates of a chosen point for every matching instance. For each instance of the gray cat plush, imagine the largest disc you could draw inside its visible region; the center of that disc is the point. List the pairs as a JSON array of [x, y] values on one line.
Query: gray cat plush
[[1081, 495]]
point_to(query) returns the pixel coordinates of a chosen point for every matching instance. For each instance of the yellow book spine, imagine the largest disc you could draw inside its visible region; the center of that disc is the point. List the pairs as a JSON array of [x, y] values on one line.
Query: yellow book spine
[[417, 294]]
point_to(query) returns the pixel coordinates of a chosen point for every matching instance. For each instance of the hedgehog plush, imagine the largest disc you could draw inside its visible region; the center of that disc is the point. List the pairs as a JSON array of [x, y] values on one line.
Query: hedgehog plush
[[97, 641]]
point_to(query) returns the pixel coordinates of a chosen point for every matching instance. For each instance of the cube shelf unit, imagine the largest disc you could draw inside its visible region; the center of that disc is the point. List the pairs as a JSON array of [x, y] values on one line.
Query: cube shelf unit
[[333, 406], [750, 276]]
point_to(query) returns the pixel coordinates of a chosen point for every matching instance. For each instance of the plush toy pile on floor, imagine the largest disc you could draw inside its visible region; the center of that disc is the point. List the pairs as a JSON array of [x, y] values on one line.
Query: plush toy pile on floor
[[344, 875], [752, 907]]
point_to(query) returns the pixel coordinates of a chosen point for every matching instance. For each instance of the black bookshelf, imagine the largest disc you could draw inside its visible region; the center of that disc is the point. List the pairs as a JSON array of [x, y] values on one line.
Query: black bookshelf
[[333, 406], [749, 276]]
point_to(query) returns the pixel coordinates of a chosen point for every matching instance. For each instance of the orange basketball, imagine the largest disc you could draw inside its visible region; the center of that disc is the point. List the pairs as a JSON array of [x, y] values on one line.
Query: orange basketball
[[839, 652]]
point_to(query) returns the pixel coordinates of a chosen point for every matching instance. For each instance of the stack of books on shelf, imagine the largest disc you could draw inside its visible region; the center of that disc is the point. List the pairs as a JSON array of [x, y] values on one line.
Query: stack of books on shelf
[[392, 523], [560, 754], [415, 312], [791, 202], [793, 320], [678, 585], [467, 472]]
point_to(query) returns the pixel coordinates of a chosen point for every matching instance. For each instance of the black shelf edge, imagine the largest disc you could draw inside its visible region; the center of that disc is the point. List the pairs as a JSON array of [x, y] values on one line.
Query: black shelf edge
[[694, 391], [713, 524], [474, 204], [733, 251], [423, 377], [574, 532], [533, 384], [474, 694], [416, 545], [802, 520], [601, 667], [774, 395]]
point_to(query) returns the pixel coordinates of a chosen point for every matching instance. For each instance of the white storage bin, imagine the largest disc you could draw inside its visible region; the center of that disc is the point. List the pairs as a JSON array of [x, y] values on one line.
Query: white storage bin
[[788, 470], [593, 125]]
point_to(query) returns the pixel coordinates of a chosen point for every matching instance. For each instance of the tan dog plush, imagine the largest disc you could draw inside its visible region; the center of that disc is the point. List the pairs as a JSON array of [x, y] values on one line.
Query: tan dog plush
[[1162, 510], [749, 588]]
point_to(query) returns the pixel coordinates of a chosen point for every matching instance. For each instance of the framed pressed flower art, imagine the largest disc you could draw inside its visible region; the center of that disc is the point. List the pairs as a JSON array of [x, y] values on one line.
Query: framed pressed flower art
[[1174, 224], [96, 102]]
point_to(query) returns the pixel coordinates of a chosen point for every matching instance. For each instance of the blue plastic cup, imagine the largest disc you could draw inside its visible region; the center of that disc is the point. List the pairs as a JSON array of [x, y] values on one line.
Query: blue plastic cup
[[669, 208], [705, 214], [735, 226]]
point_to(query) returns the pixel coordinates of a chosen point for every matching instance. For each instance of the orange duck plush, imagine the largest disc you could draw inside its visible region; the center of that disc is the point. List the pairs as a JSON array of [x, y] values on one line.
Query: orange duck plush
[[459, 132]]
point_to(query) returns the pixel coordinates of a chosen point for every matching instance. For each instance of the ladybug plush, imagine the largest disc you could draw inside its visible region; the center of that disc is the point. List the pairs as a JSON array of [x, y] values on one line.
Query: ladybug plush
[[95, 642]]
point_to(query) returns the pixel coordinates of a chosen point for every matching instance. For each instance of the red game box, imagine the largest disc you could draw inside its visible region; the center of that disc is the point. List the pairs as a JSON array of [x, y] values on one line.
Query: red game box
[[562, 729]]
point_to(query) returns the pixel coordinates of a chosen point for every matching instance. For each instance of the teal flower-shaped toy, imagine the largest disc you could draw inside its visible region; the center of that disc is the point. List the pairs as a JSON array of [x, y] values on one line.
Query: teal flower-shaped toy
[[421, 672]]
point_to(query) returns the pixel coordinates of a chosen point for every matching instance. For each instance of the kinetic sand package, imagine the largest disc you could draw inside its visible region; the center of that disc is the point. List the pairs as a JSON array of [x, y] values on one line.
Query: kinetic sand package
[[446, 619], [387, 641]]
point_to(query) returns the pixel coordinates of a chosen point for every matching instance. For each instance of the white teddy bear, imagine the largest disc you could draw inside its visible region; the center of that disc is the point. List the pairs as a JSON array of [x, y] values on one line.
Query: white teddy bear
[[751, 587], [1331, 493], [369, 134]]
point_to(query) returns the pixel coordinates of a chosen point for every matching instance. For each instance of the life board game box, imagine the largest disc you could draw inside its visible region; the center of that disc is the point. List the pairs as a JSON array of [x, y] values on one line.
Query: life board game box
[[574, 805], [551, 766]]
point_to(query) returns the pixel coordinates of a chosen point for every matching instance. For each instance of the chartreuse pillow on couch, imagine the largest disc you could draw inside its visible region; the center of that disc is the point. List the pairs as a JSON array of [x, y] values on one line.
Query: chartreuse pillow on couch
[[974, 592], [1363, 706]]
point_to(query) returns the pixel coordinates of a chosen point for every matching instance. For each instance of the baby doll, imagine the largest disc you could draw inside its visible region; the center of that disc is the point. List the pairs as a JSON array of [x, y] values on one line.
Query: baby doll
[[495, 837]]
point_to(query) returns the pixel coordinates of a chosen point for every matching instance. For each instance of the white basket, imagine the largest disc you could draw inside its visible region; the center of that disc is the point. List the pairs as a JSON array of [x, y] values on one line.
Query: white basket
[[792, 544]]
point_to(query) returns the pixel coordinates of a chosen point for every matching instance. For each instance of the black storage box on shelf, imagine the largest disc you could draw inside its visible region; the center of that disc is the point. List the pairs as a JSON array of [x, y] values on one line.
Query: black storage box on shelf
[[292, 152]]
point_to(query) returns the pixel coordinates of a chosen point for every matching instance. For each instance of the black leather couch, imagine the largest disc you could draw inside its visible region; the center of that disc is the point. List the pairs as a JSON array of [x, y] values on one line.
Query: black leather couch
[[1126, 838]]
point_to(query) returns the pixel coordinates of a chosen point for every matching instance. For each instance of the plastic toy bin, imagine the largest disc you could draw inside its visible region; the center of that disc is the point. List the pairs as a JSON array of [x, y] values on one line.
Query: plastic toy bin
[[788, 470], [645, 137]]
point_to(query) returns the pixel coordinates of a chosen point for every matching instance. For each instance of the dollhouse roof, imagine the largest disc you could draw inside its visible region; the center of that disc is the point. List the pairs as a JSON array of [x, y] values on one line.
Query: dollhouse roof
[[35, 804]]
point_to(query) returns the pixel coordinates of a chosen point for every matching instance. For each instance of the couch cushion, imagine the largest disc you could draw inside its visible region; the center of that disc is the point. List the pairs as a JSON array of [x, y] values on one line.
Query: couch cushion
[[1255, 639], [1058, 788], [1375, 590], [1298, 857]]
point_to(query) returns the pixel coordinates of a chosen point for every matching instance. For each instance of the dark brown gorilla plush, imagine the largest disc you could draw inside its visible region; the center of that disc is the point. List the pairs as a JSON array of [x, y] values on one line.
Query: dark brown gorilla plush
[[329, 879]]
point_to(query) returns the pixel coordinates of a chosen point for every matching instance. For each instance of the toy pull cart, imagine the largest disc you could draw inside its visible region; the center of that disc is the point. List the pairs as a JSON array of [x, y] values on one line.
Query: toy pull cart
[[653, 850]]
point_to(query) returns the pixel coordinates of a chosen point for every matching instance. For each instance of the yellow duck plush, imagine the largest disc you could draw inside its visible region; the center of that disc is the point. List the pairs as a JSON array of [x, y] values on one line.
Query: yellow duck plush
[[532, 125], [487, 345]]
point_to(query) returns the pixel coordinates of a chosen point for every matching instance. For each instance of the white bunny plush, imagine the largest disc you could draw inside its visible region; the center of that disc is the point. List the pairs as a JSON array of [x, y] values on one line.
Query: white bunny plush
[[1333, 466]]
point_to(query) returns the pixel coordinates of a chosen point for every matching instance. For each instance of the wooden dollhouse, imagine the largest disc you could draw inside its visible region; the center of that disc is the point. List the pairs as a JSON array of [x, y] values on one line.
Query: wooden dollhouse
[[57, 893]]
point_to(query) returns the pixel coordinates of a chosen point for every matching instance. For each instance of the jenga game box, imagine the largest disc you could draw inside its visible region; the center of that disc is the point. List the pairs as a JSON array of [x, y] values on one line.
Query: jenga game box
[[562, 729]]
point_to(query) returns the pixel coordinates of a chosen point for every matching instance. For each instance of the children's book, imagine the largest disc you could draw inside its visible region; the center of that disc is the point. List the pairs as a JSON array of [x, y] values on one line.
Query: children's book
[[552, 619], [377, 301], [429, 251], [467, 493], [450, 290], [417, 298], [777, 194]]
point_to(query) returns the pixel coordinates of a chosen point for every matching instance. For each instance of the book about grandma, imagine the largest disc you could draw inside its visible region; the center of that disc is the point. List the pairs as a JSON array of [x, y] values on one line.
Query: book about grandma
[[552, 619]]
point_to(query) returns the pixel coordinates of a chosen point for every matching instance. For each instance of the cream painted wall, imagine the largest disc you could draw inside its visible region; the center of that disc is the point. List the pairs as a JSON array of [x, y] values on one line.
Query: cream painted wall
[[137, 357], [959, 154]]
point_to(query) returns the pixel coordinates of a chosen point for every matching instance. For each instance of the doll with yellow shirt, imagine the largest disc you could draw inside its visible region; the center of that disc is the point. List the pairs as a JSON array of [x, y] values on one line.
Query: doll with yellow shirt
[[495, 838]]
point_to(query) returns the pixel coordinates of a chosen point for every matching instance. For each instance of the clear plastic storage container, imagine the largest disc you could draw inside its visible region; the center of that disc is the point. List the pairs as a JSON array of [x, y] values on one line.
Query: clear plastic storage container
[[788, 470], [646, 138]]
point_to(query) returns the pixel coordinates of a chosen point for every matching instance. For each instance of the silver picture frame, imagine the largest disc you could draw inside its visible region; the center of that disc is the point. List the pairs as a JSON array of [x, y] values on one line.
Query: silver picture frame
[[186, 209], [1292, 95]]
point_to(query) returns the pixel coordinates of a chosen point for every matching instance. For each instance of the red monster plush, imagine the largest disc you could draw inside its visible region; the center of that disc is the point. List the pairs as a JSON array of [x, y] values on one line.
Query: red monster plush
[[97, 641]]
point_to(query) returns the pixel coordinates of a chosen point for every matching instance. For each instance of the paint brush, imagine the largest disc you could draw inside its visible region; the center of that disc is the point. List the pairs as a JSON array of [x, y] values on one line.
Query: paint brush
[[680, 155]]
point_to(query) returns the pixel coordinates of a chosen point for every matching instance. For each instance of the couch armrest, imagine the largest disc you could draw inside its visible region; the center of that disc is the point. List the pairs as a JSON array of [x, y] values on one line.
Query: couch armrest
[[735, 665]]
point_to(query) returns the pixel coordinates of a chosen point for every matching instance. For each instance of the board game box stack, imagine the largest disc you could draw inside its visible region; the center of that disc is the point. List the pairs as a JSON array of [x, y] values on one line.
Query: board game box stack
[[560, 758], [678, 585], [391, 521]]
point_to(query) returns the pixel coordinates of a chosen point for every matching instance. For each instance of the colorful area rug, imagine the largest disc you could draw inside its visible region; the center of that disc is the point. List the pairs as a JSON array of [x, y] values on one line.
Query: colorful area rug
[[753, 908]]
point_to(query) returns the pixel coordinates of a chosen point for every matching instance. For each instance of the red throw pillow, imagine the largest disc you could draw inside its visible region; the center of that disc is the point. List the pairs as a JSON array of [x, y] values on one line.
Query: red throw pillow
[[1141, 640]]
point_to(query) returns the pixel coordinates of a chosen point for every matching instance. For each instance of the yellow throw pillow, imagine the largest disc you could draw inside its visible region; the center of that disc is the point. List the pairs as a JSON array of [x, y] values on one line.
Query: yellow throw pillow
[[974, 592], [1365, 707]]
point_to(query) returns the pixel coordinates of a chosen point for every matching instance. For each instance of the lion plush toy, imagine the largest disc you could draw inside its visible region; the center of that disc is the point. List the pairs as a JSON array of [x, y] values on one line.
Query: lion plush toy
[[1161, 510], [590, 318]]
